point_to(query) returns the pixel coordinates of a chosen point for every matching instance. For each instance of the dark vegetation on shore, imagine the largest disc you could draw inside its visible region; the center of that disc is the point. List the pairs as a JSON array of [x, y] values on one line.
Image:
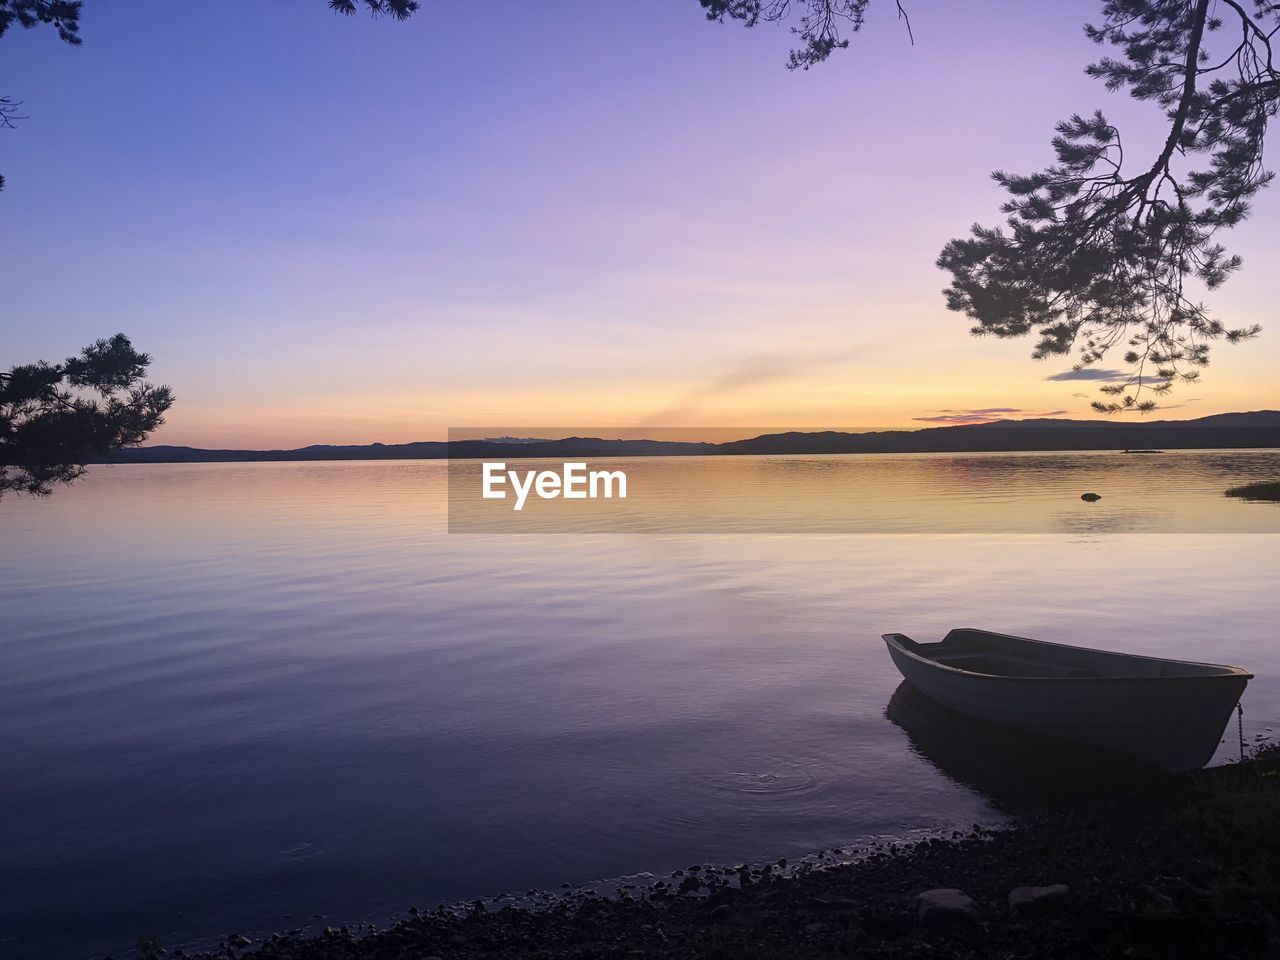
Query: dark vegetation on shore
[[1183, 867], [1257, 491], [1255, 429]]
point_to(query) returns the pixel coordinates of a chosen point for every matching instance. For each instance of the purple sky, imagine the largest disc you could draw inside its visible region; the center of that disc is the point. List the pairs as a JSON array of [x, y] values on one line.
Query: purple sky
[[344, 230]]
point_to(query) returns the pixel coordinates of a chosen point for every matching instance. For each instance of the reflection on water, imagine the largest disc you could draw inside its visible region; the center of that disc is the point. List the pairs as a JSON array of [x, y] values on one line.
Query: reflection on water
[[1016, 771], [234, 696]]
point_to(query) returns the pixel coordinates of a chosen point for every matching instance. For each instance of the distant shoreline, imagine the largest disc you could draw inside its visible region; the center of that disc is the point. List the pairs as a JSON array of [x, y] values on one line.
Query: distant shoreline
[[1102, 451], [1227, 431]]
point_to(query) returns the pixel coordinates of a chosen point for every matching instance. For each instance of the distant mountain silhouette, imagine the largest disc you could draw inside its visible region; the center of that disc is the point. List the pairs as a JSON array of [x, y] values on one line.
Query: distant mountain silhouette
[[1259, 428]]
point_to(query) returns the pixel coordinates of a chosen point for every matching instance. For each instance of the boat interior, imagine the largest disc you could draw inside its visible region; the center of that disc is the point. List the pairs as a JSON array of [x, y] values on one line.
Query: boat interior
[[1000, 655], [1008, 665]]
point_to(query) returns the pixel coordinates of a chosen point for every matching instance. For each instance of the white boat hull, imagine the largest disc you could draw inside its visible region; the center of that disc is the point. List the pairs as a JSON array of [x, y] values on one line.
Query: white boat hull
[[1170, 714]]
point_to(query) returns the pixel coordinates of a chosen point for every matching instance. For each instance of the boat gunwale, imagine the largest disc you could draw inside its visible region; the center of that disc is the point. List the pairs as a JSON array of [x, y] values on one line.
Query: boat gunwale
[[1235, 673]]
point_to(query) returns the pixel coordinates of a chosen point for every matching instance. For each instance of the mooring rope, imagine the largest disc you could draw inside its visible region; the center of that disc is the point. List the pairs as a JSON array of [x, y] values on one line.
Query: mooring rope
[[1240, 727]]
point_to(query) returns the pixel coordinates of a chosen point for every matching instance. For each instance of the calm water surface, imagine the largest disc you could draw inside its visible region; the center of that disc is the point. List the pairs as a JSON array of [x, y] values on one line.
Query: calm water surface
[[236, 696]]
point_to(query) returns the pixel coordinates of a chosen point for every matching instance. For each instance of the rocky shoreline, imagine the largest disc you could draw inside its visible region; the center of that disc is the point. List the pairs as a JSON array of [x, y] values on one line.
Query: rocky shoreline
[[1185, 867]]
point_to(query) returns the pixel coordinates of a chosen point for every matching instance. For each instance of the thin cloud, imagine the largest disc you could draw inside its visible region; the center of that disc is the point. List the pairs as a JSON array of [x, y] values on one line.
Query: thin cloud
[[750, 371], [984, 415], [979, 415], [1097, 374]]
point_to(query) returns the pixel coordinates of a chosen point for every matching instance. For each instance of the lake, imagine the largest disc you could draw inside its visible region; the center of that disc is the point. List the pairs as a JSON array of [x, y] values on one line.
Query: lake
[[238, 696]]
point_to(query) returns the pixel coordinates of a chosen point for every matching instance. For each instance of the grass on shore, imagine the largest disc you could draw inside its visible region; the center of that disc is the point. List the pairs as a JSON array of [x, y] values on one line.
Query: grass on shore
[[1257, 491]]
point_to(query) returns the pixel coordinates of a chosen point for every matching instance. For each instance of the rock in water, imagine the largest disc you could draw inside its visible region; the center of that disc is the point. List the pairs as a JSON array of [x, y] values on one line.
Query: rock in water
[[944, 906], [1090, 497], [1031, 899]]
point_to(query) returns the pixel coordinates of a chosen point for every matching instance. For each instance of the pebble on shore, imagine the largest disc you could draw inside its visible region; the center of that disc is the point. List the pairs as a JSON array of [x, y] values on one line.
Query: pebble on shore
[[1030, 899], [943, 906]]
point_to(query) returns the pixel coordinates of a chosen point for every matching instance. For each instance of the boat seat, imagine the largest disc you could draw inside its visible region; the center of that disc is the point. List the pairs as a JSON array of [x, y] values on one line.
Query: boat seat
[[1008, 665]]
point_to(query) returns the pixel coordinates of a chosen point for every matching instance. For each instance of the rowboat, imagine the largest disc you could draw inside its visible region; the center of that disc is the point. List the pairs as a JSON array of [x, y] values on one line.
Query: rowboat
[[1167, 713]]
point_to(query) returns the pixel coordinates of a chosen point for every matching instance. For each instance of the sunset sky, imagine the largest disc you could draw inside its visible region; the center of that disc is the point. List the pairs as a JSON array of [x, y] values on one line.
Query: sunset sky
[[346, 230]]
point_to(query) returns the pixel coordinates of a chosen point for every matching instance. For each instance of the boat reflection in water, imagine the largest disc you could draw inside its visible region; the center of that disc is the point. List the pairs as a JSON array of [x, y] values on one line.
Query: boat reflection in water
[[1015, 770]]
